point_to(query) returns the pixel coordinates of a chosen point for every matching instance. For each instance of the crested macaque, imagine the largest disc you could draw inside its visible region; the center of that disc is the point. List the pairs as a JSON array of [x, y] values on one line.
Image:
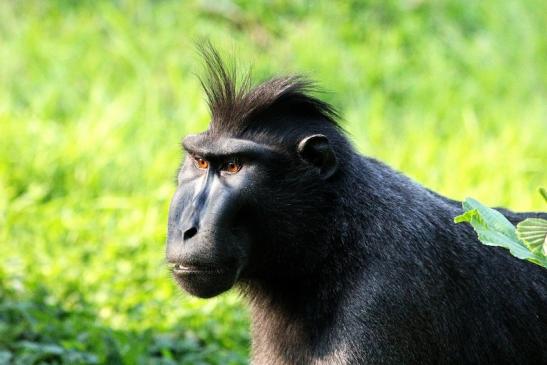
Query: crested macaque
[[341, 259]]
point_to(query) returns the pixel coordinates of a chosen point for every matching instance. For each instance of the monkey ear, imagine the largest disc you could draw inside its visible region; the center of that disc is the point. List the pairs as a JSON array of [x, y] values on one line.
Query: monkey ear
[[316, 150]]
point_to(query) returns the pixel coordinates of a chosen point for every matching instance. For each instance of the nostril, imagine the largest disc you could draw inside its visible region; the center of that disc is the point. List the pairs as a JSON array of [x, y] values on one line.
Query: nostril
[[189, 233]]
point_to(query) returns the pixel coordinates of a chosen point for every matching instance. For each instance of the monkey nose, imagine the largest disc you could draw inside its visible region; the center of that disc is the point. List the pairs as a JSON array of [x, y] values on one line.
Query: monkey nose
[[189, 233], [189, 225]]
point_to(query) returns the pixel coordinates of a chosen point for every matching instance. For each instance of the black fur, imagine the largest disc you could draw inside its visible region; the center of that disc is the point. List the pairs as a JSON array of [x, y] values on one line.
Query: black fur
[[235, 107], [367, 266]]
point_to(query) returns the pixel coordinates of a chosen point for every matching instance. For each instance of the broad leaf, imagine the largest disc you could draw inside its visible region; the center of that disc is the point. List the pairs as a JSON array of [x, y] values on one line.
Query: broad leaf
[[493, 219], [493, 229], [533, 232]]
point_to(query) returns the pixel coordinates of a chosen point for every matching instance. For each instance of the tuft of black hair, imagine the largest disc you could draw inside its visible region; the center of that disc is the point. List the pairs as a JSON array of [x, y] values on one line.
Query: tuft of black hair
[[235, 103]]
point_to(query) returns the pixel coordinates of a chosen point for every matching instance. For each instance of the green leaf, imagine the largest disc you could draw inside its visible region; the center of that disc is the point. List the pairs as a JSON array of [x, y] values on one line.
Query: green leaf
[[467, 216], [543, 193], [493, 229], [492, 218], [493, 238], [533, 232]]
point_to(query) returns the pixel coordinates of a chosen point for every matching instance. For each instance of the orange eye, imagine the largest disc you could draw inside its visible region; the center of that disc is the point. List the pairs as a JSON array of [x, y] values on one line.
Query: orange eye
[[201, 163], [232, 167]]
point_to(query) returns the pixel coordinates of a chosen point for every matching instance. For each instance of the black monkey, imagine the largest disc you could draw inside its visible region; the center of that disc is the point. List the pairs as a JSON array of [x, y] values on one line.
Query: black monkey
[[343, 260]]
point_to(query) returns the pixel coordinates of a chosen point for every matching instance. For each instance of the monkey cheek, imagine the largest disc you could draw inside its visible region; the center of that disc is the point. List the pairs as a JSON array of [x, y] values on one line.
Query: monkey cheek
[[205, 284]]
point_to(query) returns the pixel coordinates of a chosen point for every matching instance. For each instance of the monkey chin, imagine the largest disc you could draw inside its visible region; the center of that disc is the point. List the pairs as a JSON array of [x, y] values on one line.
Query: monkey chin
[[206, 284]]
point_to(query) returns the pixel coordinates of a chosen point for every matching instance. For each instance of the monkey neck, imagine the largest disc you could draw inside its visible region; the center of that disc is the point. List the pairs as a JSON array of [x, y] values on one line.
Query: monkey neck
[[293, 320]]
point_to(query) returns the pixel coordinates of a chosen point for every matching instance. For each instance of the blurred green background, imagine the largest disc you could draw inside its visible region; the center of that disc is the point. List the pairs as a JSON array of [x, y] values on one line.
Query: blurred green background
[[96, 95]]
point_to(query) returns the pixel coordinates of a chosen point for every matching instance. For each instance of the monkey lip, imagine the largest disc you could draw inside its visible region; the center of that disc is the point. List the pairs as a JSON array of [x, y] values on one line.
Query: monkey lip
[[181, 269], [204, 280]]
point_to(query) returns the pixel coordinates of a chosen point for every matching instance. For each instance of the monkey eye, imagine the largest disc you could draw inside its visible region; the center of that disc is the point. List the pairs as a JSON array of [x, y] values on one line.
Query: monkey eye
[[232, 167], [200, 163]]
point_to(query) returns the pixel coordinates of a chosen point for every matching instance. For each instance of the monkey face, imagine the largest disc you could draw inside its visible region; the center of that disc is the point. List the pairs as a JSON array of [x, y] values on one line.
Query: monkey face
[[208, 235], [233, 211]]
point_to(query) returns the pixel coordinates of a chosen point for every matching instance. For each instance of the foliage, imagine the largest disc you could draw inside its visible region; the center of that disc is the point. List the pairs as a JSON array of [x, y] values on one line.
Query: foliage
[[35, 331], [533, 232], [524, 242], [95, 96]]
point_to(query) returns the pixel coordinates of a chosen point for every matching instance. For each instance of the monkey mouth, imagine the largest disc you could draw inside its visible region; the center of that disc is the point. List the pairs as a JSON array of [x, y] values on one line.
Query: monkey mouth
[[204, 280], [181, 269]]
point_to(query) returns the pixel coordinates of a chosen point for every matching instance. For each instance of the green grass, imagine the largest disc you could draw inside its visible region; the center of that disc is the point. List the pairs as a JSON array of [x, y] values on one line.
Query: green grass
[[96, 95]]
